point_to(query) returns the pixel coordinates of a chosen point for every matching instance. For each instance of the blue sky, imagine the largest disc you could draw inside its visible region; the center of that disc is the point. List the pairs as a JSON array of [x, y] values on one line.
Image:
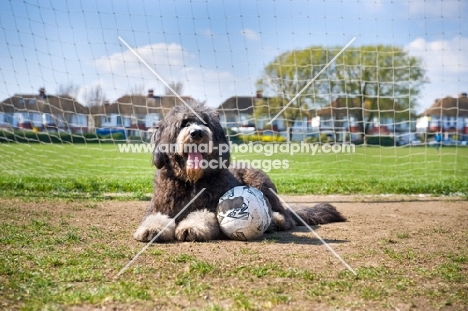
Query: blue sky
[[217, 49]]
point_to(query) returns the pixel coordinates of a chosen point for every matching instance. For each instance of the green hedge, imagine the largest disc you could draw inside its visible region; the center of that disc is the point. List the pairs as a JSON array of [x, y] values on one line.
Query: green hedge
[[56, 138], [386, 141], [51, 138]]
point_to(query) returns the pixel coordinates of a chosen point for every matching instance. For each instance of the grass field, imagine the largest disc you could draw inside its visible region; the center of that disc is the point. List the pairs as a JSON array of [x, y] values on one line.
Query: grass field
[[65, 254], [97, 170], [63, 243]]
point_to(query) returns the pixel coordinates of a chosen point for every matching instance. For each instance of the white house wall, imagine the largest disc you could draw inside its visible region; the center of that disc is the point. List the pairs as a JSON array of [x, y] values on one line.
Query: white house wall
[[151, 119], [448, 122], [79, 120], [117, 120], [112, 120], [35, 118], [54, 120]]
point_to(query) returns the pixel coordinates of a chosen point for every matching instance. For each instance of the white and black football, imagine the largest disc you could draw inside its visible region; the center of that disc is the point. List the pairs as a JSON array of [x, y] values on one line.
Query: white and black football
[[244, 213]]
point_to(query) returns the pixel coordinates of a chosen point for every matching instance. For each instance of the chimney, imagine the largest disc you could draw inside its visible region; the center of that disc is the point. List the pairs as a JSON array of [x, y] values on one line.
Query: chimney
[[150, 93], [42, 93], [462, 95], [259, 94]]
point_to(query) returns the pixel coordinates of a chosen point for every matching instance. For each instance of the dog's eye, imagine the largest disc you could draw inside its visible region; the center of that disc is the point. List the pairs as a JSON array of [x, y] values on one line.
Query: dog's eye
[[185, 123]]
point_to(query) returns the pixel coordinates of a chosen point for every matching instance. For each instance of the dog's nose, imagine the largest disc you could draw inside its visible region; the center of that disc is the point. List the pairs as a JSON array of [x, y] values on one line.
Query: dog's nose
[[196, 134]]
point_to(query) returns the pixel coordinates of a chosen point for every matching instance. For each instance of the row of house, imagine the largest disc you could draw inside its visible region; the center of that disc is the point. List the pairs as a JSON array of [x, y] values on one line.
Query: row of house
[[344, 118], [43, 112], [136, 114]]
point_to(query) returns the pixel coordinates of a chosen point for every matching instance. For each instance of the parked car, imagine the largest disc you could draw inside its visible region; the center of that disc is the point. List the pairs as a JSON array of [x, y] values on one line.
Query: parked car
[[267, 136]]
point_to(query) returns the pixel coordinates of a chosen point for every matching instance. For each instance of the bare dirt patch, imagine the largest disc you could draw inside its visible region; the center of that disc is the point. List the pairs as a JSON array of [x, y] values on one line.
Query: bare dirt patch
[[408, 251]]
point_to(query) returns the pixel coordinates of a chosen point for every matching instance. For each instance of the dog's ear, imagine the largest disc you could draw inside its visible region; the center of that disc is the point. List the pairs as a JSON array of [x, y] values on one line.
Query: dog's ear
[[215, 115], [159, 157]]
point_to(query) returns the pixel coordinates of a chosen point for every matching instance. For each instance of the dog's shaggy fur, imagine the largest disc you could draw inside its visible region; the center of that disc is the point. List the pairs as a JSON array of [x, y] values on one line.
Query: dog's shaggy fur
[[178, 180]]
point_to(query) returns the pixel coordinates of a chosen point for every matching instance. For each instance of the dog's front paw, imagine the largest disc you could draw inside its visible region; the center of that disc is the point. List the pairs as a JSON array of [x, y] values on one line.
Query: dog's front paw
[[153, 225], [198, 226]]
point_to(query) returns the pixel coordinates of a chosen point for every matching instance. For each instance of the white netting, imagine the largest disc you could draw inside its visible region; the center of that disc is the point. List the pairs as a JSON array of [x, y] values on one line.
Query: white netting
[[73, 95]]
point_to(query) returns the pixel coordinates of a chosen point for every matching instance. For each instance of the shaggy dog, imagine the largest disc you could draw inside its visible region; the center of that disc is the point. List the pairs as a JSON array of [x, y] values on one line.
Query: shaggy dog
[[183, 172]]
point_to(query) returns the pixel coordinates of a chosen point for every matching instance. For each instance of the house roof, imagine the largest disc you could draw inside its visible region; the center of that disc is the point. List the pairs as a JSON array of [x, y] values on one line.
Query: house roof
[[238, 104], [141, 104], [349, 106], [449, 106], [341, 107], [125, 105], [45, 104]]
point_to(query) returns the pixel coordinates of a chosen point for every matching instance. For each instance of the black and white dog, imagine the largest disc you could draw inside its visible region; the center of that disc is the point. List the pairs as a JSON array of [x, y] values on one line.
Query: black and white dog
[[190, 155]]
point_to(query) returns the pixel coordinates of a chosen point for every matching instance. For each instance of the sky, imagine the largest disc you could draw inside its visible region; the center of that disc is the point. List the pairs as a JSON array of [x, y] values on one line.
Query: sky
[[216, 49]]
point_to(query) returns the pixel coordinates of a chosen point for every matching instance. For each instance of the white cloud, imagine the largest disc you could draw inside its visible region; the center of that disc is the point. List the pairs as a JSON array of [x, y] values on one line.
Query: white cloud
[[160, 55], [446, 64], [373, 5], [442, 56], [207, 33], [173, 63], [250, 34], [442, 8]]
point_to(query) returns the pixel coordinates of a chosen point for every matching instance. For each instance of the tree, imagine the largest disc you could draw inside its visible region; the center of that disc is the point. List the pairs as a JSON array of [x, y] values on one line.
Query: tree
[[137, 89], [286, 76], [379, 78], [95, 96], [69, 89], [176, 86]]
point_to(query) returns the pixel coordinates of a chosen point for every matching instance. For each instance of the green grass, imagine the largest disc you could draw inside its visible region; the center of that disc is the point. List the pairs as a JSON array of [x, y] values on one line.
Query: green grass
[[99, 171], [55, 257]]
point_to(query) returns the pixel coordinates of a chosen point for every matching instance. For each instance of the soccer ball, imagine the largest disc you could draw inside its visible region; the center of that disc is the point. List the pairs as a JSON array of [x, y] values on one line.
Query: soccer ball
[[244, 213]]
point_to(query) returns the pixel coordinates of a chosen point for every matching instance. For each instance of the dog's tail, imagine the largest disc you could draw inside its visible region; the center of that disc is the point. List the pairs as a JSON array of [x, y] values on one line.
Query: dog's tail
[[322, 213]]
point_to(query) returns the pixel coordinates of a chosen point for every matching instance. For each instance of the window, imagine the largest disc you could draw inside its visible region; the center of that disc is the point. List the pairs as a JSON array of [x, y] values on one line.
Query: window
[[452, 121], [328, 122]]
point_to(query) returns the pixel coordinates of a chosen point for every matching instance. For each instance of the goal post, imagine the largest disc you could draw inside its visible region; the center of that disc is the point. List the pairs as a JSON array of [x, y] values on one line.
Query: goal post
[[354, 89]]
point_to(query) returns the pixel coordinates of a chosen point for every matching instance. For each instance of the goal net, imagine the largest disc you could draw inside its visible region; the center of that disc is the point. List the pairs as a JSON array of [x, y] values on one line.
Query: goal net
[[342, 90]]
